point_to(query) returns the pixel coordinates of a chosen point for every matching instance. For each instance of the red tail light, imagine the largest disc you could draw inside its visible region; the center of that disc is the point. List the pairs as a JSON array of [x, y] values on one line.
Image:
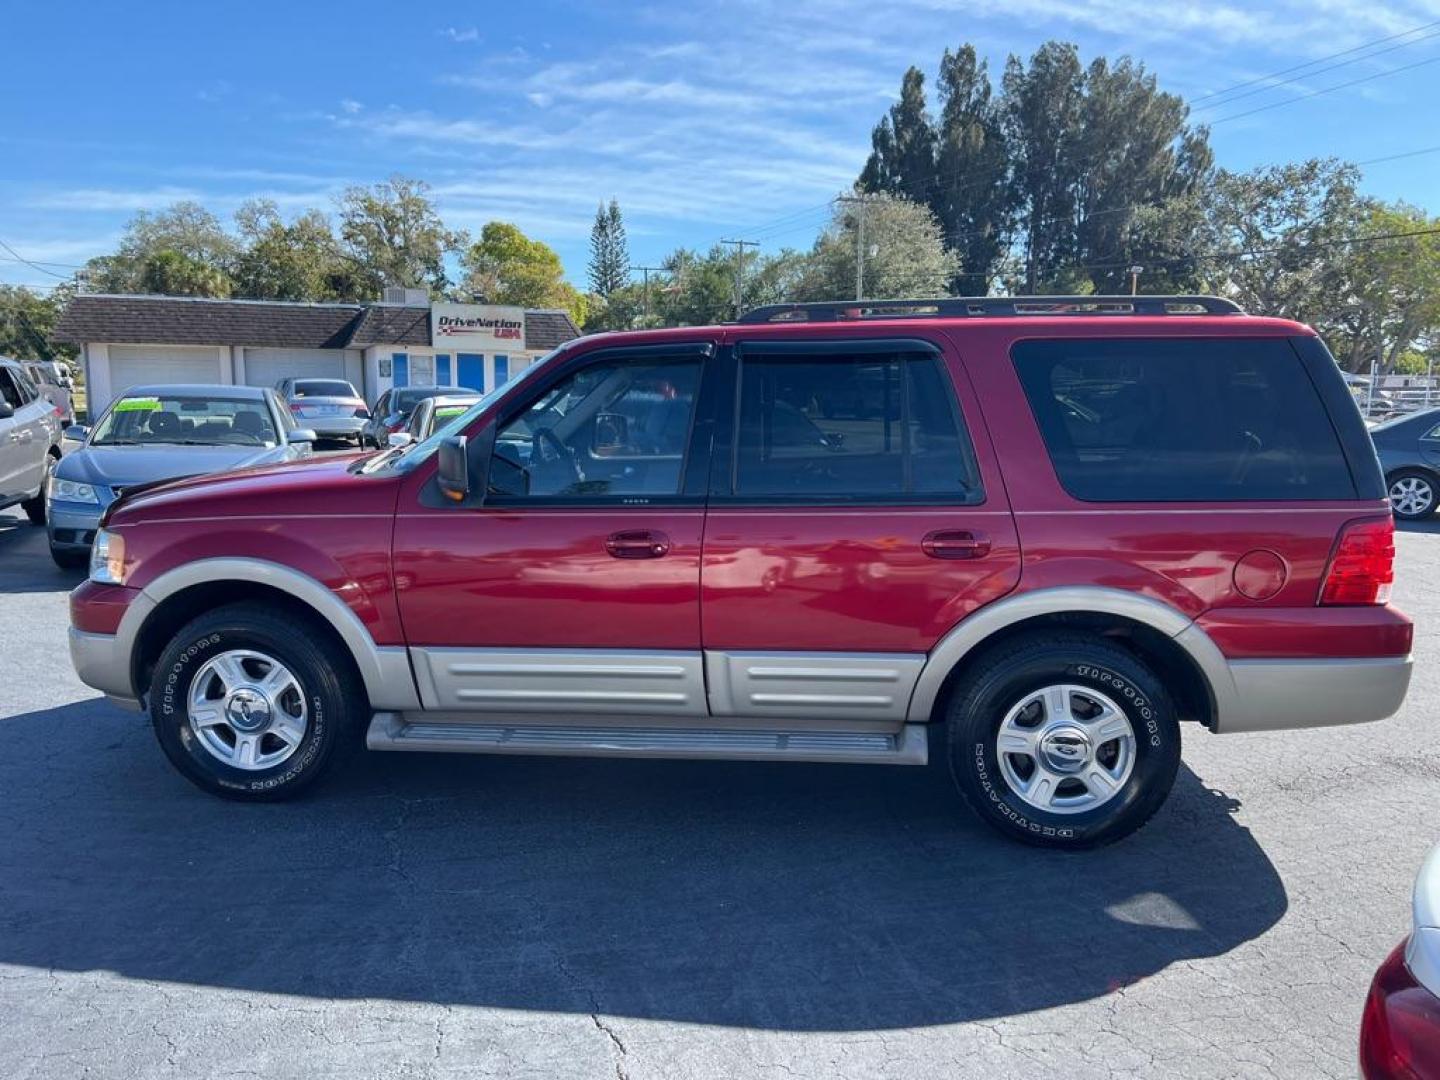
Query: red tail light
[[1362, 569], [1400, 1031], [296, 407]]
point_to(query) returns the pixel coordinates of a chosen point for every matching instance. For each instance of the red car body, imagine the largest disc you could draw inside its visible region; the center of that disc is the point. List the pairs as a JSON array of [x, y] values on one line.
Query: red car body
[[1244, 583]]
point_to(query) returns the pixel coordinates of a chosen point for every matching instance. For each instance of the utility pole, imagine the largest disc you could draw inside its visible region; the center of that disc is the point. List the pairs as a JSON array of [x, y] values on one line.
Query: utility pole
[[859, 201], [646, 271], [740, 246], [1135, 272]]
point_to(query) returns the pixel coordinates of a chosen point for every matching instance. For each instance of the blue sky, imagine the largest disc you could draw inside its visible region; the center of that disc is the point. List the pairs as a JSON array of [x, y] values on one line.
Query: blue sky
[[706, 120]]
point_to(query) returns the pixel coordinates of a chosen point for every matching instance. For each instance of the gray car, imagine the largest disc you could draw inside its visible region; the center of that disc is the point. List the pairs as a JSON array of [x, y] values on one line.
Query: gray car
[[1409, 449], [53, 389], [153, 433], [29, 441], [332, 408]]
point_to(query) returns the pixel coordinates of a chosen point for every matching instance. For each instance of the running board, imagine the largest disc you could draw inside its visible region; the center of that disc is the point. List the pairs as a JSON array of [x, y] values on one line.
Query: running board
[[394, 731]]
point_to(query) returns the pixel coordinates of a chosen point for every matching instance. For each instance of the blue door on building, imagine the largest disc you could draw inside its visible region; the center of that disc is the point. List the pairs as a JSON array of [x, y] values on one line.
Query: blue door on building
[[442, 369], [471, 371], [401, 362], [502, 370]]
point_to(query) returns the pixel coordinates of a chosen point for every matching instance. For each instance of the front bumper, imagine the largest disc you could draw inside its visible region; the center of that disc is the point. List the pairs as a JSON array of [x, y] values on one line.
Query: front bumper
[[102, 664], [1276, 695], [72, 526]]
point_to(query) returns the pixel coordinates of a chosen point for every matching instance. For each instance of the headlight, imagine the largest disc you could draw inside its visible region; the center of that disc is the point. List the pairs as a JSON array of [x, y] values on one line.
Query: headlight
[[107, 558], [71, 491]]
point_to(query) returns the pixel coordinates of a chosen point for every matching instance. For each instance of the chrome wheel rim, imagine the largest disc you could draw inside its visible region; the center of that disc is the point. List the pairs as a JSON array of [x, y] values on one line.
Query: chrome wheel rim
[[1065, 749], [1411, 495], [247, 710]]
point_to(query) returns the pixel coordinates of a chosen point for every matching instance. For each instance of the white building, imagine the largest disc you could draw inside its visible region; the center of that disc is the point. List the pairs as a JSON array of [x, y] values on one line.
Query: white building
[[405, 341]]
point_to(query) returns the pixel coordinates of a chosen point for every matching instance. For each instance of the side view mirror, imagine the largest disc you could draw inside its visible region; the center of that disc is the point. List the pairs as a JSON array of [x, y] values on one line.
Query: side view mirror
[[76, 432], [454, 470], [610, 434], [6, 410], [399, 438], [301, 435]]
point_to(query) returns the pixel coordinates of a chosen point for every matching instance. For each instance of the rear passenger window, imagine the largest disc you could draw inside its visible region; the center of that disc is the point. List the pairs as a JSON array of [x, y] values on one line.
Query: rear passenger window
[[845, 427], [1172, 420]]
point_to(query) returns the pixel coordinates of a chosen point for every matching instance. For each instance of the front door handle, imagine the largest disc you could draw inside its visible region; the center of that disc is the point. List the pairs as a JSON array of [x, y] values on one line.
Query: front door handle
[[955, 544], [638, 544]]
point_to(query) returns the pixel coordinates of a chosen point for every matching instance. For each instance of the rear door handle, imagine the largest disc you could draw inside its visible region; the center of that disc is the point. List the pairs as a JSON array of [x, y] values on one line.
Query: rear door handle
[[955, 544], [638, 544]]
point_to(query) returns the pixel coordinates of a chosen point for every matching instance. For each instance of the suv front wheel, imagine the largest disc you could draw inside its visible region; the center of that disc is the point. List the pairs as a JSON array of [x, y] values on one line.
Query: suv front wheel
[[249, 703], [1063, 741]]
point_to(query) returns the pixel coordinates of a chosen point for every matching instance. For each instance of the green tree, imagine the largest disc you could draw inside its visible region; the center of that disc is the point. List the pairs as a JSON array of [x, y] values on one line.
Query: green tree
[[609, 252], [27, 320], [296, 260], [1271, 238], [183, 244], [905, 253], [504, 266], [1391, 307], [395, 235]]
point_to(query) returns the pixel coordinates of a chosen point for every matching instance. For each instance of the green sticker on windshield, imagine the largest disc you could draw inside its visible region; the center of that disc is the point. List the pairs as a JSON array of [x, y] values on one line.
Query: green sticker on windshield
[[449, 410], [138, 404]]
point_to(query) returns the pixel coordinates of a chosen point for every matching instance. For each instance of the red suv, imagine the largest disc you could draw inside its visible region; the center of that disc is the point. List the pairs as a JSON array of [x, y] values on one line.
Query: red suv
[[1052, 528]]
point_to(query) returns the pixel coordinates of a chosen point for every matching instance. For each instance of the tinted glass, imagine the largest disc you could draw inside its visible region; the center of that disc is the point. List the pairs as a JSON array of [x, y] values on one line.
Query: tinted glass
[[613, 429], [323, 388], [9, 389], [145, 419], [1212, 420], [866, 426]]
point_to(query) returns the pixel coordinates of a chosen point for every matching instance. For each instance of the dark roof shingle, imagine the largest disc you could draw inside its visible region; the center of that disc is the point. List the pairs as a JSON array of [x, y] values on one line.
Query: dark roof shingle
[[164, 320], [169, 320]]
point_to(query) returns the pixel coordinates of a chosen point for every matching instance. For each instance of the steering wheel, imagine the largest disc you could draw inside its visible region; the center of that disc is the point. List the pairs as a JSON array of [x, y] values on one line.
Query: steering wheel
[[558, 452]]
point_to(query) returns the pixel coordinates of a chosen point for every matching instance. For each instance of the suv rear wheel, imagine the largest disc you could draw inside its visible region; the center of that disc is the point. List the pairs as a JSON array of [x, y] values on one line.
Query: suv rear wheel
[[1063, 741], [249, 704]]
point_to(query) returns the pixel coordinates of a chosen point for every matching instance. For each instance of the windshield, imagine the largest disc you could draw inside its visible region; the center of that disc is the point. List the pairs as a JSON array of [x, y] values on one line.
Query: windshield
[[417, 453], [324, 388], [149, 419]]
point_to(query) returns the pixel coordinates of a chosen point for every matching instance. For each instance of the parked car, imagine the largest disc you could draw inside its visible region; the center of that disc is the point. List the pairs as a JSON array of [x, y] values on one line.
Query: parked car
[[392, 412], [435, 412], [42, 376], [29, 442], [1084, 522], [155, 433], [332, 408], [1409, 449], [1400, 1029]]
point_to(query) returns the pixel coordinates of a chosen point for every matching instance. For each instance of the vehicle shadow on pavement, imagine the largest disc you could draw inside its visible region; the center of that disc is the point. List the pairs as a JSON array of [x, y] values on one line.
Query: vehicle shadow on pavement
[[791, 897]]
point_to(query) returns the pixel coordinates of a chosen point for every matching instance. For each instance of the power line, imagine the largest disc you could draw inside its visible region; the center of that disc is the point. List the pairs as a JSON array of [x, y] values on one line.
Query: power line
[[1317, 60], [1326, 90], [1318, 71], [32, 265]]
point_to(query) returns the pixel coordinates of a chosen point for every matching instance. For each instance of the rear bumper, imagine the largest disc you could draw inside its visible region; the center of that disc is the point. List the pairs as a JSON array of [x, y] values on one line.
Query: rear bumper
[[1276, 695], [333, 425]]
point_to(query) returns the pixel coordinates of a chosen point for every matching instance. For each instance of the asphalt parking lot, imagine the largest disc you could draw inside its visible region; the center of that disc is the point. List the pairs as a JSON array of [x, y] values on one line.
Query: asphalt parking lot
[[509, 917]]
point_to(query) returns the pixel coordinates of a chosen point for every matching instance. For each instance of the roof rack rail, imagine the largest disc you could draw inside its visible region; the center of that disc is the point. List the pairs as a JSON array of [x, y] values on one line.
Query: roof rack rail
[[948, 307]]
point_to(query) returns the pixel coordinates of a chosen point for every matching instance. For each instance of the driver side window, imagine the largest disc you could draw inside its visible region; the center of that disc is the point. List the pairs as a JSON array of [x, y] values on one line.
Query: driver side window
[[616, 428]]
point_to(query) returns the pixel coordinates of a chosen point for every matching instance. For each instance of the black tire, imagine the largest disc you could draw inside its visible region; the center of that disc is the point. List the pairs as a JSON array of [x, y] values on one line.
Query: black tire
[[69, 558], [35, 508], [334, 698], [1426, 483], [1002, 678]]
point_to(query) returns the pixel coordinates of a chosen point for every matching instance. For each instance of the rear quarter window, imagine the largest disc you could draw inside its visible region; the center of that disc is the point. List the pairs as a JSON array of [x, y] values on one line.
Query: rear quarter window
[[1182, 420]]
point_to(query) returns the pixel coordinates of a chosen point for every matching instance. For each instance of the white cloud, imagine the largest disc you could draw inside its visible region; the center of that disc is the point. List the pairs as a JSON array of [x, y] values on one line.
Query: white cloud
[[462, 36], [350, 105]]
